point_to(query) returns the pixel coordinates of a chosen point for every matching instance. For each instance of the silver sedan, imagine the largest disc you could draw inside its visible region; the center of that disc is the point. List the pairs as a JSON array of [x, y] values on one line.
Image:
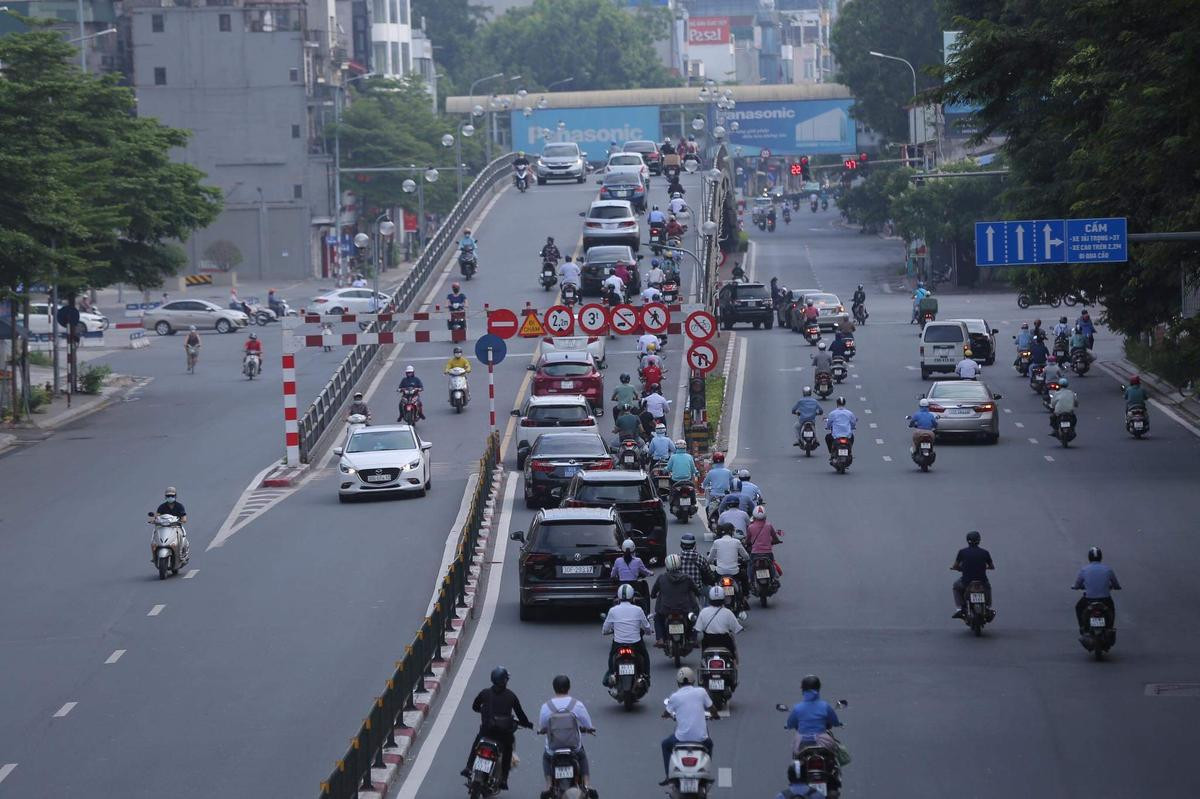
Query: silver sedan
[[965, 407]]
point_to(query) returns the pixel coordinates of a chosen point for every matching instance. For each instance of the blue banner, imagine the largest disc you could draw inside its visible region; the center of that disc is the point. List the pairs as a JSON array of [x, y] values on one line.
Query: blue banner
[[591, 128], [793, 127]]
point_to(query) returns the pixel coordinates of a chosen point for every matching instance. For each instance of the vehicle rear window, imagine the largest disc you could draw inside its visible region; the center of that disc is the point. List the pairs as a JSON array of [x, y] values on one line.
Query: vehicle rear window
[[621, 179], [381, 441], [567, 369], [966, 389], [560, 536], [609, 212], [584, 445], [614, 492], [824, 299], [558, 413], [559, 151], [943, 334], [753, 293], [625, 160]]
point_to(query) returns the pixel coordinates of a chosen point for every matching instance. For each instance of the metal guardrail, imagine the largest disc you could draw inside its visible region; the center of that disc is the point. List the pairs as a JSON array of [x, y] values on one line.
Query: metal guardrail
[[714, 204], [352, 773], [323, 410]]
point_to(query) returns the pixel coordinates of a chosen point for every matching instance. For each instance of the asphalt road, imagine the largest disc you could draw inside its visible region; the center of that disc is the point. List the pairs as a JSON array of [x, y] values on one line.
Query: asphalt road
[[250, 676], [866, 601]]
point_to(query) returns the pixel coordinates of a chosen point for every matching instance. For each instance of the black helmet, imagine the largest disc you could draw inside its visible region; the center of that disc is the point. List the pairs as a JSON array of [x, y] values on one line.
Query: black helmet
[[973, 538], [860, 286], [549, 239], [841, 402], [1062, 319], [499, 676], [1095, 555], [811, 682], [567, 258], [624, 377], [562, 684], [687, 541]]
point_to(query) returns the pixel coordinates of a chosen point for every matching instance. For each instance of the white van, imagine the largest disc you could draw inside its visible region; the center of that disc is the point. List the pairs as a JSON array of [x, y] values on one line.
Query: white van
[[942, 346]]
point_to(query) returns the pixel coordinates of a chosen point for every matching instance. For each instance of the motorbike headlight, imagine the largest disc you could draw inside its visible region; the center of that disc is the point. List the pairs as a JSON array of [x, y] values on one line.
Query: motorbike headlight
[[414, 465], [345, 468]]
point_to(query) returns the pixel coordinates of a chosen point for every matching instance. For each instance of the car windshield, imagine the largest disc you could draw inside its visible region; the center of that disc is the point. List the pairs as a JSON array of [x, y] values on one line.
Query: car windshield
[[961, 389], [620, 179], [608, 255], [567, 369], [558, 413], [943, 334], [570, 535], [381, 441], [559, 151], [586, 445], [614, 492], [609, 212], [762, 202], [753, 293]]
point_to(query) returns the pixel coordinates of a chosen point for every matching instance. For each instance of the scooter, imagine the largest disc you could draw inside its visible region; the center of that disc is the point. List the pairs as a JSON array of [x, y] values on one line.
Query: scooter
[[410, 409], [1100, 634], [661, 478], [570, 294], [1064, 429], [922, 452], [823, 385], [718, 675], [1048, 395], [813, 206], [683, 500], [467, 262], [629, 455], [851, 347], [860, 314], [808, 438], [629, 683], [356, 421], [689, 771], [1024, 357], [787, 215], [766, 577], [458, 318], [770, 224], [819, 763], [460, 392], [1061, 353], [734, 597], [1037, 378], [1080, 362], [680, 639], [977, 612], [1137, 420], [670, 292], [485, 769], [521, 178], [843, 454], [251, 365], [812, 333], [824, 204], [568, 779], [549, 276], [839, 368], [169, 549]]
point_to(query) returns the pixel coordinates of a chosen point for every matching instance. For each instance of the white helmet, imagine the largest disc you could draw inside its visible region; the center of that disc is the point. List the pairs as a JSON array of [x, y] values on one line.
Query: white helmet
[[625, 592], [660, 429], [627, 545], [674, 563], [685, 676], [820, 345], [716, 594], [924, 403], [680, 444], [760, 512], [743, 474]]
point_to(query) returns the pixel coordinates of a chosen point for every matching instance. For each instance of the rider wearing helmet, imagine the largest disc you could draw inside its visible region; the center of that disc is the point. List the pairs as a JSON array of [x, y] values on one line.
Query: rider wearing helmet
[[628, 568], [656, 217], [660, 448], [500, 713], [967, 368], [692, 563], [413, 382], [681, 465], [806, 409], [798, 787], [550, 250], [1135, 394], [520, 160], [860, 296], [253, 345], [677, 205], [812, 718], [727, 554], [822, 362], [924, 422], [673, 592], [626, 622], [171, 506], [751, 495], [358, 406], [1097, 581], [1062, 329], [655, 402], [456, 295], [716, 482], [656, 276], [563, 703], [690, 706], [467, 242], [457, 361], [761, 535], [973, 562], [1062, 403], [716, 625], [193, 338], [569, 272], [810, 311], [840, 423]]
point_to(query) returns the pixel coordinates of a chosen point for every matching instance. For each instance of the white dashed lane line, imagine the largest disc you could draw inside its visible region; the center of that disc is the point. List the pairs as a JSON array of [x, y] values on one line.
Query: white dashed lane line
[[114, 657], [879, 441], [65, 709], [873, 425], [190, 573], [724, 777], [6, 769], [1019, 424], [1049, 458], [887, 458], [157, 609], [910, 367], [1008, 410], [1033, 440], [868, 410]]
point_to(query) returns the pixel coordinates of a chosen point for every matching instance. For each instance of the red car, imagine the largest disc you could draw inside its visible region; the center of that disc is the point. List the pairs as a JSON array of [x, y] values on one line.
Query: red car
[[572, 372]]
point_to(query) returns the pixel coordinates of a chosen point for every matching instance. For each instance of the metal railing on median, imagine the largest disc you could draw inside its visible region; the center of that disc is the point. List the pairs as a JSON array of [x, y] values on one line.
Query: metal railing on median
[[323, 411], [352, 773], [714, 200]]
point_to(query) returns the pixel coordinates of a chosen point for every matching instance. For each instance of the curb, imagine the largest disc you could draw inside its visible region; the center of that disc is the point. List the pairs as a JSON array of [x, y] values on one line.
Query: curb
[[1164, 392], [385, 780], [116, 394], [284, 476]]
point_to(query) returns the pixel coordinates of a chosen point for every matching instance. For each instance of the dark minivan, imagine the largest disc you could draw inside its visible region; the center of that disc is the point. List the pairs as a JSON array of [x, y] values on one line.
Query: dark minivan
[[566, 558], [636, 500]]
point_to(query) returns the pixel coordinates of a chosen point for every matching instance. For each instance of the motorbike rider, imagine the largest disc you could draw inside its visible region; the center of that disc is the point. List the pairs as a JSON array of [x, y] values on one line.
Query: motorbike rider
[[810, 312], [675, 187], [628, 568], [859, 298], [690, 706], [650, 359], [626, 425], [750, 494], [1062, 329], [1024, 340], [615, 285], [253, 346], [1089, 328], [692, 563], [666, 148], [172, 506], [411, 380], [569, 272], [1079, 343], [838, 348], [624, 393], [659, 448], [681, 465], [1038, 354], [973, 562], [967, 368], [727, 555], [676, 206], [674, 229], [673, 592], [626, 622], [520, 160], [456, 296], [716, 482], [1097, 580], [813, 199], [192, 340], [457, 361], [716, 625], [1135, 394], [549, 251], [798, 787], [919, 294], [812, 718], [651, 294], [656, 403], [733, 515], [762, 535], [822, 362], [500, 714], [358, 406], [924, 421], [656, 217], [806, 409], [656, 276], [556, 706], [1038, 332], [840, 423], [467, 242], [1063, 402]]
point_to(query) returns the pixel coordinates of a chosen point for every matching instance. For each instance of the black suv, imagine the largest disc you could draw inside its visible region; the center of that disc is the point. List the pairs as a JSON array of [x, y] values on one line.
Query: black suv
[[566, 558], [745, 302], [636, 500]]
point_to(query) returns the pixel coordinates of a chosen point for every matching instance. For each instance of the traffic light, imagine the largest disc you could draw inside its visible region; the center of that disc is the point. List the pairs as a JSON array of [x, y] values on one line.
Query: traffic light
[[850, 163], [804, 167], [862, 162], [796, 169]]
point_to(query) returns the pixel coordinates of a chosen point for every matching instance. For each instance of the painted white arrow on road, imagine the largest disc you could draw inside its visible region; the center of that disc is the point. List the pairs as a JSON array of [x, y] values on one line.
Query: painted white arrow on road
[[991, 249], [1049, 241], [1020, 242]]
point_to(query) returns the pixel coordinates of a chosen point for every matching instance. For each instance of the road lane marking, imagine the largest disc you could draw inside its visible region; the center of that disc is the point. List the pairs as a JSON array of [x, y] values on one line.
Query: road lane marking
[[859, 386], [65, 709], [854, 376], [735, 418], [910, 368], [114, 657], [862, 399], [1008, 410], [724, 777], [1049, 458], [190, 573], [157, 609], [867, 410], [6, 769], [1019, 424], [873, 425], [887, 458], [1033, 440], [879, 441]]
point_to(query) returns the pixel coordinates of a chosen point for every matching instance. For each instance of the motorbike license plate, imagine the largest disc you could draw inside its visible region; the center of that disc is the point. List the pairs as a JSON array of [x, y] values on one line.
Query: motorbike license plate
[[1064, 425], [820, 788], [567, 384], [689, 785], [976, 599], [729, 590], [716, 684], [843, 452], [1138, 425], [576, 569], [664, 482], [625, 668], [960, 412], [762, 574], [1096, 621], [377, 478], [685, 501], [926, 446], [484, 765], [675, 629], [809, 434], [563, 772]]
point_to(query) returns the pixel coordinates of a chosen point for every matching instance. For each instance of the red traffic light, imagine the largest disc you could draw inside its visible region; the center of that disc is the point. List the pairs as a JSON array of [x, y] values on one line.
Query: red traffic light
[[850, 163], [862, 157], [796, 169], [804, 160]]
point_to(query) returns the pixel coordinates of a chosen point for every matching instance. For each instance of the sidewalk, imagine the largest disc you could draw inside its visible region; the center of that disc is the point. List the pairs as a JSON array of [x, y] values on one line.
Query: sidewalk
[[1162, 392], [59, 412]]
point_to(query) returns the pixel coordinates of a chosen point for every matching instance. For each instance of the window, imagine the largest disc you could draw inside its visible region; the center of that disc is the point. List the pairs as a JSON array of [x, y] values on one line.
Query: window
[[295, 131], [160, 76], [393, 13], [397, 64], [379, 11], [294, 74], [573, 536], [402, 67], [379, 57], [156, 23], [224, 23], [614, 492], [403, 4], [943, 334], [297, 191]]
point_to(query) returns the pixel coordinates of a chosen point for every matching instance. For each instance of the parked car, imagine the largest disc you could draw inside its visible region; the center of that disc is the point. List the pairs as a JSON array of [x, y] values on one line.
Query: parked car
[[565, 559], [983, 340], [745, 302], [649, 152], [555, 458], [350, 301], [383, 459], [943, 344], [628, 162], [599, 260], [559, 412], [611, 222], [561, 161], [636, 500], [177, 315], [792, 302], [965, 407], [571, 372], [40, 322], [624, 186]]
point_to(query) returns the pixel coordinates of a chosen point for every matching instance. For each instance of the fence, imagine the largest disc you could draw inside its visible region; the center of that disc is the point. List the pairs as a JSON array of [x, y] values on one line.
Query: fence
[[353, 771], [323, 411]]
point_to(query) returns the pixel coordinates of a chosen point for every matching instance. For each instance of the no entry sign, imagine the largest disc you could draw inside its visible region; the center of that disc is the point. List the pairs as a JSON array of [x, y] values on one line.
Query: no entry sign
[[700, 326], [655, 317], [502, 322], [624, 319]]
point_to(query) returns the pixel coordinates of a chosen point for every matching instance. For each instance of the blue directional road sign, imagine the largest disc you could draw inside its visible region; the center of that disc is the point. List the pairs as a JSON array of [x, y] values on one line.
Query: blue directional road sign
[[490, 342], [1050, 241]]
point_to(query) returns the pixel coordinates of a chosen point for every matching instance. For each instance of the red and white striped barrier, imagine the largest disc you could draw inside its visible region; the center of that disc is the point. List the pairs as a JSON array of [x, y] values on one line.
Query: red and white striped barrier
[[386, 337], [291, 422]]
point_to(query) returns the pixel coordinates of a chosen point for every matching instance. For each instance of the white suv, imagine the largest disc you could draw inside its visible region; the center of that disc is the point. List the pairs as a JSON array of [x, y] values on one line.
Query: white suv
[[561, 161]]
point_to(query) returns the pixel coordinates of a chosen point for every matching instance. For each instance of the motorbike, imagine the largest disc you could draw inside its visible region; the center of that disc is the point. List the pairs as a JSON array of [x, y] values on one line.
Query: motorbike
[[824, 204], [1025, 299], [766, 577], [787, 215], [1064, 428], [521, 178], [689, 770], [259, 314], [812, 333], [1080, 362], [658, 236], [670, 292], [1037, 378], [1100, 632], [570, 294], [410, 408], [629, 454], [718, 675], [762, 223], [251, 365], [629, 683], [922, 452], [549, 275], [1023, 359], [860, 313], [734, 597], [977, 612], [193, 352], [458, 319], [823, 385], [843, 454], [661, 478], [467, 262], [169, 550], [1137, 421], [485, 769], [770, 224], [460, 392], [357, 420], [822, 770], [813, 206], [1052, 385], [568, 779], [1061, 352], [683, 500], [839, 368], [927, 317], [851, 348], [680, 639], [808, 438]]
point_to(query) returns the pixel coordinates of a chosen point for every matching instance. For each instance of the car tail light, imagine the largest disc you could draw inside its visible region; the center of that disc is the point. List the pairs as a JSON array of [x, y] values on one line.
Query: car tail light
[[639, 190], [320, 300], [528, 423], [649, 504], [607, 463], [935, 408], [966, 348], [586, 422], [689, 761], [628, 223], [986, 407], [572, 503], [592, 224], [540, 466], [841, 309], [717, 664], [922, 349]]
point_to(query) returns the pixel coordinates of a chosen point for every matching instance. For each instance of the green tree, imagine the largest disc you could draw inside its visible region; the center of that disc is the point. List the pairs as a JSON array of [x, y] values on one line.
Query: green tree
[[909, 29], [453, 26], [868, 202], [225, 254], [945, 210]]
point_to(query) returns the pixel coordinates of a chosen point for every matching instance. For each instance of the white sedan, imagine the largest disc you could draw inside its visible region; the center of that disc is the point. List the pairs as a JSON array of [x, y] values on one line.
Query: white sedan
[[350, 300], [39, 320], [383, 459]]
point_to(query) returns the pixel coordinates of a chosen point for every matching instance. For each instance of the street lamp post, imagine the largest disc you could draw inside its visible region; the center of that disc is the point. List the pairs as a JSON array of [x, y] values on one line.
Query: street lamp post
[[913, 121], [430, 175], [449, 140], [384, 228], [337, 154], [82, 38], [480, 111], [550, 88]]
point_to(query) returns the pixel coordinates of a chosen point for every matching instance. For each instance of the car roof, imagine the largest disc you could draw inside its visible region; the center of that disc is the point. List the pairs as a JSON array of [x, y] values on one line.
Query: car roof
[[640, 143], [606, 251], [742, 285], [622, 177], [611, 475], [578, 514], [557, 399], [385, 428], [964, 385], [570, 356], [974, 325], [560, 144], [624, 153], [816, 294]]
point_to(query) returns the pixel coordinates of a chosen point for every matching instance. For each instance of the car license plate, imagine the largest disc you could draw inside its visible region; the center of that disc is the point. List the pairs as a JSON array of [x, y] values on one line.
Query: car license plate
[[570, 471], [563, 772], [763, 574], [960, 412], [625, 193], [716, 684], [689, 785], [377, 478], [977, 599], [610, 225], [729, 590], [1064, 425], [675, 629], [1096, 621], [843, 452], [576, 569], [484, 765], [567, 384], [685, 501], [625, 668]]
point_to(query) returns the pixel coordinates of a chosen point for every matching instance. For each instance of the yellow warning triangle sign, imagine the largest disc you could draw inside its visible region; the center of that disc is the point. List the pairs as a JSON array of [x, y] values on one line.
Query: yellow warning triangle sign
[[531, 327]]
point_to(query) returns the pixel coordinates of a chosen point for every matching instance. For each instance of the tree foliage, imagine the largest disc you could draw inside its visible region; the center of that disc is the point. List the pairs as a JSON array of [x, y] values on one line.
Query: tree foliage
[[945, 210], [868, 202], [225, 254], [1093, 98], [453, 26], [909, 29]]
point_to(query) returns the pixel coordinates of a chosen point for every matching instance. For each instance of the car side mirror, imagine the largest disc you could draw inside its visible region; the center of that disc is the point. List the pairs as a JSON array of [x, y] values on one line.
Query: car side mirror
[[581, 213], [515, 412], [782, 708], [994, 331], [338, 451], [426, 445], [530, 368], [600, 182], [997, 396], [640, 257], [150, 514], [518, 535]]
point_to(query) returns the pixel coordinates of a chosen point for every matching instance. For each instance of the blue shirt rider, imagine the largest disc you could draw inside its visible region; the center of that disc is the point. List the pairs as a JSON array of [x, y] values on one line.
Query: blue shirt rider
[[751, 495], [1038, 352], [923, 419], [840, 423], [716, 482], [660, 447], [1024, 338], [812, 717], [468, 241], [656, 217], [807, 408], [682, 466]]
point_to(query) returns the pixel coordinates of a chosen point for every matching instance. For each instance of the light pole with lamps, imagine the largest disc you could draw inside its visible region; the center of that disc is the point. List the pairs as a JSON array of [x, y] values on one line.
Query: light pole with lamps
[[339, 93], [450, 140], [550, 88], [477, 110], [384, 228], [84, 38], [913, 121], [430, 175], [495, 103]]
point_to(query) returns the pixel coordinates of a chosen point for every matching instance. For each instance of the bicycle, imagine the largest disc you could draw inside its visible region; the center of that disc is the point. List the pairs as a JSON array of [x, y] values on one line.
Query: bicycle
[[193, 353]]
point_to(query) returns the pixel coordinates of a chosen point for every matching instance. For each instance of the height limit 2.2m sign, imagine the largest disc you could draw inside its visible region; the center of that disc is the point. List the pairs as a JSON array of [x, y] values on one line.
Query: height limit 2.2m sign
[[1051, 241]]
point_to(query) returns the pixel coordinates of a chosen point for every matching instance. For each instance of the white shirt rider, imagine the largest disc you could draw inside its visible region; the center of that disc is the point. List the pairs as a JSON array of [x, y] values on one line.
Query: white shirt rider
[[678, 206], [714, 620], [644, 341], [615, 283], [967, 369], [651, 294], [727, 552], [626, 621], [657, 404], [689, 705], [569, 272], [656, 276]]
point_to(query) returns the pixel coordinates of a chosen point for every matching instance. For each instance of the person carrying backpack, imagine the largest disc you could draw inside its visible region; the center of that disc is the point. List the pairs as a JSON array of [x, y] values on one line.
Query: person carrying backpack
[[563, 720]]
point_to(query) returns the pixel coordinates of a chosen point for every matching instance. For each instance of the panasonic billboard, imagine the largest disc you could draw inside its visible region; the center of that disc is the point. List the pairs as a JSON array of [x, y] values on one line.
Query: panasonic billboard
[[592, 128], [793, 127]]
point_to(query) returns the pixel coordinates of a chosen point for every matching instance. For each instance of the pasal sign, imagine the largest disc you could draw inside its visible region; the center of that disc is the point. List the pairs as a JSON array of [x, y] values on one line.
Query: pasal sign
[[708, 30], [793, 127], [591, 128]]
